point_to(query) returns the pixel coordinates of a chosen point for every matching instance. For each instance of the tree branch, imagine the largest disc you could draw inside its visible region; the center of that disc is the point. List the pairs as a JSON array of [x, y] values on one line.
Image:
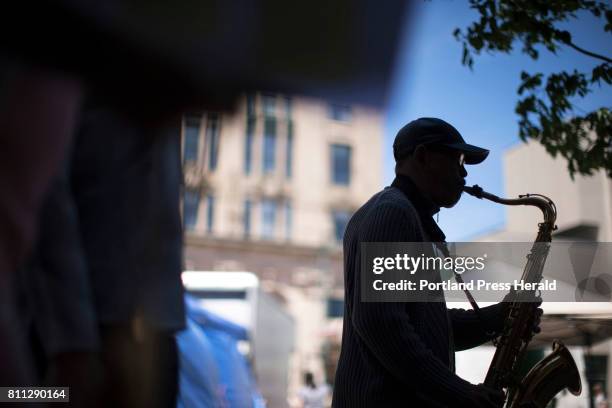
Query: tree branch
[[589, 53]]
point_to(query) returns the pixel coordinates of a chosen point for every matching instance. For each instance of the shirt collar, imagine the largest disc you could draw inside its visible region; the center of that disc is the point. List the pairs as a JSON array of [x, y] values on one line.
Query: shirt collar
[[425, 207]]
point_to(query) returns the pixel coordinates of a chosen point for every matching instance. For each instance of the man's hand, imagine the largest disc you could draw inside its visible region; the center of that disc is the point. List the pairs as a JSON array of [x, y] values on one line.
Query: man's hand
[[536, 319], [534, 301], [485, 397]]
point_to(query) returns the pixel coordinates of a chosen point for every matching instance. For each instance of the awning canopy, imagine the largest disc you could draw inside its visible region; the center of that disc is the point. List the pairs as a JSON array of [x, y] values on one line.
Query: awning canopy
[[573, 323], [573, 330]]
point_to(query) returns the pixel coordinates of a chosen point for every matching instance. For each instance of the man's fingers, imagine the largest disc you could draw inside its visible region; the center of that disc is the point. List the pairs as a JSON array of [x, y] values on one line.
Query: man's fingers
[[536, 320]]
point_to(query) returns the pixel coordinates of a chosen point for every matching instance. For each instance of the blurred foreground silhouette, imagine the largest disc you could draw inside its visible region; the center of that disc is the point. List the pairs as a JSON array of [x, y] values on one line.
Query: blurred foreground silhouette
[[90, 237]]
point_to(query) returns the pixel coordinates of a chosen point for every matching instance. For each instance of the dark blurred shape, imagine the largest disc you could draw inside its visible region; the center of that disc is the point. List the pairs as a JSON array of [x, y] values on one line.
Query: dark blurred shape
[[144, 61], [125, 181], [38, 112], [158, 54], [102, 296]]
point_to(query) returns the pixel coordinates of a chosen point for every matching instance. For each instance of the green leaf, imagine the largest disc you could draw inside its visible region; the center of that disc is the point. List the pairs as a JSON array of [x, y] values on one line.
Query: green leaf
[[548, 113], [529, 82], [602, 72], [564, 36]]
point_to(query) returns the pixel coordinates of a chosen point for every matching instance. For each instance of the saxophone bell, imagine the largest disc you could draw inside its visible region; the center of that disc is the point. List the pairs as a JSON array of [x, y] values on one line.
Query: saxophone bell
[[547, 378]]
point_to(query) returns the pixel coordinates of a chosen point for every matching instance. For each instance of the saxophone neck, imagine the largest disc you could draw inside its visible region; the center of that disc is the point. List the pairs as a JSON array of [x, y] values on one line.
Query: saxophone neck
[[545, 204]]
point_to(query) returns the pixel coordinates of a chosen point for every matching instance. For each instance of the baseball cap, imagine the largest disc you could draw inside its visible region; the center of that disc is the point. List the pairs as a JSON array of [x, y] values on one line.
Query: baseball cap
[[424, 131]]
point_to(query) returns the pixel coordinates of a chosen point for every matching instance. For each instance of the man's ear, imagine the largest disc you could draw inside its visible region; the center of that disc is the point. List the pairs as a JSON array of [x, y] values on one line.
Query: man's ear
[[420, 155]]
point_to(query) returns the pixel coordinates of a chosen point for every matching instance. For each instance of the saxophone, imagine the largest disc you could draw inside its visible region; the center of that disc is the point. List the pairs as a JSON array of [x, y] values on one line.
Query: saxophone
[[558, 370]]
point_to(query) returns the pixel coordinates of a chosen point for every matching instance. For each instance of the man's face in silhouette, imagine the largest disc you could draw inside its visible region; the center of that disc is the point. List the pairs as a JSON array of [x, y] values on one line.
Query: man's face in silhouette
[[442, 174]]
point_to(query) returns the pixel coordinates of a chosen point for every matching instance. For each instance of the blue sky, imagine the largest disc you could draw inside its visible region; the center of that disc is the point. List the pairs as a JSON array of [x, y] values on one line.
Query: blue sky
[[429, 80]]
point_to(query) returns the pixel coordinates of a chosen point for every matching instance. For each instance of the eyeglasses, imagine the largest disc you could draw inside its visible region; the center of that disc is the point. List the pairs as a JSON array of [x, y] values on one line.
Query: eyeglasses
[[449, 150], [436, 148], [461, 160]]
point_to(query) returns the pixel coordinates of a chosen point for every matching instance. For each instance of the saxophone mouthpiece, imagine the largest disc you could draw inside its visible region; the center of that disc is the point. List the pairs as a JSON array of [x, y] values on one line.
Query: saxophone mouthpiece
[[474, 190]]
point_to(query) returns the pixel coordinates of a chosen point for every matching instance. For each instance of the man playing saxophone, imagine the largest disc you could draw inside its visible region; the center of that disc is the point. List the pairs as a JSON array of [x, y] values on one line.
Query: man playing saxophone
[[402, 354]]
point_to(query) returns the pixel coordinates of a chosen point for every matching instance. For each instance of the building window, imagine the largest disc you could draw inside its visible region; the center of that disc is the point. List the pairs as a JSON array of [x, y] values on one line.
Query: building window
[[250, 134], [289, 152], [191, 202], [340, 219], [210, 213], [341, 164], [269, 147], [212, 140], [191, 138], [248, 147], [335, 307], [288, 107], [250, 100], [288, 219], [269, 105], [268, 218], [342, 113], [247, 218]]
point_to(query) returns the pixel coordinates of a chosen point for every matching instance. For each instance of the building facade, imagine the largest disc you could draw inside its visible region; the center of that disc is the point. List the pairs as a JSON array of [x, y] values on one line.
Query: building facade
[[269, 189], [584, 204]]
